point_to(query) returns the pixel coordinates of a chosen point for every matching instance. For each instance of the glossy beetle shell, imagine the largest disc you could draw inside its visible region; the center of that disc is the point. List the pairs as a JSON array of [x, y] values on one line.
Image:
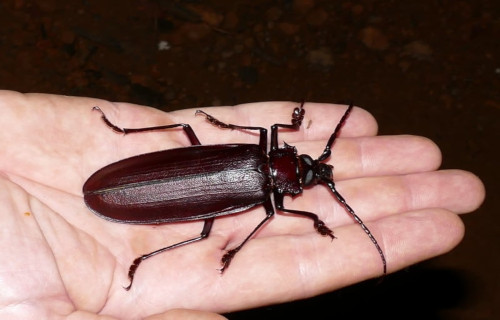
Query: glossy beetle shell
[[192, 183]]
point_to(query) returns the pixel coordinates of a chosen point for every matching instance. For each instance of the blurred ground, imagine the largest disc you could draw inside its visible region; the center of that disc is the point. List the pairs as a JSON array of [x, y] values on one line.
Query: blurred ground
[[428, 68]]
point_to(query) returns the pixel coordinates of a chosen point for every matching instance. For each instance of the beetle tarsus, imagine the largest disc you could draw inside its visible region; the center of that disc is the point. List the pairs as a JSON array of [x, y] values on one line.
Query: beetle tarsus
[[107, 122], [298, 116], [213, 120], [132, 270], [323, 229], [227, 257]]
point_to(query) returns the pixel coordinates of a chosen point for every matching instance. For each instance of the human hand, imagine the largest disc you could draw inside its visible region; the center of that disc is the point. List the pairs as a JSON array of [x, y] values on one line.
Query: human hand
[[60, 259]]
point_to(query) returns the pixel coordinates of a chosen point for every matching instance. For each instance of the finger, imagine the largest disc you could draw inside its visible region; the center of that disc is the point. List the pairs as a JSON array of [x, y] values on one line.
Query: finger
[[376, 156], [371, 198], [374, 198], [297, 268], [319, 122], [186, 314], [262, 114]]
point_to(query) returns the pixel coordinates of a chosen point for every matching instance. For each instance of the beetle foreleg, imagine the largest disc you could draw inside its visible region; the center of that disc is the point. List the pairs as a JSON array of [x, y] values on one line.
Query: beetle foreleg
[[319, 225], [186, 127], [133, 267], [228, 256]]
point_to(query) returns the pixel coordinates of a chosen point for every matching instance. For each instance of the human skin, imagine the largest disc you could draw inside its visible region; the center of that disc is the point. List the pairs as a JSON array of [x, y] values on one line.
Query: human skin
[[61, 260]]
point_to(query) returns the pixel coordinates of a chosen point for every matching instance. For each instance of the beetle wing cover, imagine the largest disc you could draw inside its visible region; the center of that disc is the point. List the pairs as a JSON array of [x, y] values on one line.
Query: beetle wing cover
[[191, 183]]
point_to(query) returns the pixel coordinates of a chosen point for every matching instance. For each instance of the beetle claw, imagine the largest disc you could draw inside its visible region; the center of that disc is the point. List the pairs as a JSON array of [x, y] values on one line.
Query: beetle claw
[[324, 230]]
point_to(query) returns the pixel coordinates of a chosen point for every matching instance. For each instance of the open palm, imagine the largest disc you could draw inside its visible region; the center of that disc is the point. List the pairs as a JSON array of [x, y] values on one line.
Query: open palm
[[58, 258]]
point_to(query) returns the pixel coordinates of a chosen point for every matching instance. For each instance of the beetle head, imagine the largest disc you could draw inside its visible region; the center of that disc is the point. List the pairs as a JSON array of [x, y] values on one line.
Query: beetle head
[[314, 171]]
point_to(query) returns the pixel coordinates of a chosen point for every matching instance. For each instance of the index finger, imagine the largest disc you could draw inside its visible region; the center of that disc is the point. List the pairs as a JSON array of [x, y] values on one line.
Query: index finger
[[320, 120]]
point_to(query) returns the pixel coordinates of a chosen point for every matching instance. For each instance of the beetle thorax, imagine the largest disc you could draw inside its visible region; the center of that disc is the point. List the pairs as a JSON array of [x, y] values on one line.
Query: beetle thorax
[[285, 171]]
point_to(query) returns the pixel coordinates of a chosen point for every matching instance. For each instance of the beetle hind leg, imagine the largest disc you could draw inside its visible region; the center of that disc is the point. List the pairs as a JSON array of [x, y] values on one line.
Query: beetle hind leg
[[135, 264], [229, 255]]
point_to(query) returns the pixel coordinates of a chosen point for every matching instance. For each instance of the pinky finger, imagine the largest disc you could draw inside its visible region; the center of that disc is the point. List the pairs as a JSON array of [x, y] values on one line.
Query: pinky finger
[[406, 239]]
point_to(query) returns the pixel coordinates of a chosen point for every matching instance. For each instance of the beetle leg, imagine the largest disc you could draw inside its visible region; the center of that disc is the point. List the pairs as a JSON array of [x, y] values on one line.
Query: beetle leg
[[133, 267], [297, 117], [220, 124], [186, 127], [228, 256], [319, 225]]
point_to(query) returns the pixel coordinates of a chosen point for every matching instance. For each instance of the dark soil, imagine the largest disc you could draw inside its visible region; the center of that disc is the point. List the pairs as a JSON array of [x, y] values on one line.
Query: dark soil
[[427, 68]]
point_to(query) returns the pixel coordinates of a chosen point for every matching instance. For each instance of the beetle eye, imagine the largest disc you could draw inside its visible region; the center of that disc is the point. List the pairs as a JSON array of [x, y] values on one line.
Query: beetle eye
[[307, 159], [308, 177]]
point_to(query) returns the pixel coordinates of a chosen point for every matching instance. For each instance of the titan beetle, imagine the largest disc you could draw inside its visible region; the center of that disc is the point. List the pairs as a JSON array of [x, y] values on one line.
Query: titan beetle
[[202, 182]]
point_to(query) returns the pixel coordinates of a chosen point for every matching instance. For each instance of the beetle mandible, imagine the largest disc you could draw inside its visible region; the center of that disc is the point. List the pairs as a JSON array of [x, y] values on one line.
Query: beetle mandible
[[202, 182]]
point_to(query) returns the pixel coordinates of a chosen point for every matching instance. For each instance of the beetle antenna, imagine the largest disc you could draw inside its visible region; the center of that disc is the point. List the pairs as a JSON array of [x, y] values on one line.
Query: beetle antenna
[[342, 201], [328, 149]]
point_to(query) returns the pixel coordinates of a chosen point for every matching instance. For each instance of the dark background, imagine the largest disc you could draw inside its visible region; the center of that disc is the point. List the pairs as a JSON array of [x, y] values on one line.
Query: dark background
[[427, 68]]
